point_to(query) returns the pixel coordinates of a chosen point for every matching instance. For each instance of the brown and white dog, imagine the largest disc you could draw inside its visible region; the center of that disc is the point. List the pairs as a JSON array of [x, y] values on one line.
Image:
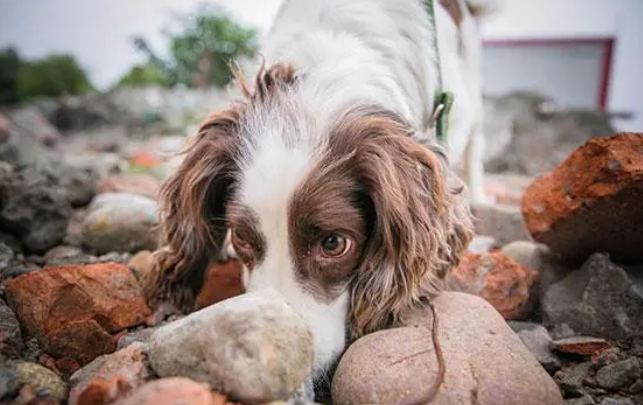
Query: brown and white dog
[[326, 176]]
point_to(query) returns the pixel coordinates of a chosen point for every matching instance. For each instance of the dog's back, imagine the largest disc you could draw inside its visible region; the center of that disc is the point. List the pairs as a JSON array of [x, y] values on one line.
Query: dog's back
[[383, 52]]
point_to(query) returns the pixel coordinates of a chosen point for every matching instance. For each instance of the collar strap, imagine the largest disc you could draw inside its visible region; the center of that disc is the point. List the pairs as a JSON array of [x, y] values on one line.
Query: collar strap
[[443, 100]]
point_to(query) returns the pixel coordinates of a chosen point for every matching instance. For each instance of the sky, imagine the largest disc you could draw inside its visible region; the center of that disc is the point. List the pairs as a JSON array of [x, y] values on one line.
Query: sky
[[99, 32]]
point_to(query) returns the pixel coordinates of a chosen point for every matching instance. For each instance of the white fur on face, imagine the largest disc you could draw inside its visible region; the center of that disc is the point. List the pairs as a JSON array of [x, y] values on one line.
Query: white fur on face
[[269, 180]]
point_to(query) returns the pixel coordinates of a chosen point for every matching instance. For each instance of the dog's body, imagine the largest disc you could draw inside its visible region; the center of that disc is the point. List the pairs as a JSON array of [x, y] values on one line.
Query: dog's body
[[327, 176], [385, 50]]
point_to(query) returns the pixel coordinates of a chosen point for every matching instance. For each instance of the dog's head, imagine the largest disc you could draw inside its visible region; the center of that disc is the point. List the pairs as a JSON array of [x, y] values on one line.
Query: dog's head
[[348, 217]]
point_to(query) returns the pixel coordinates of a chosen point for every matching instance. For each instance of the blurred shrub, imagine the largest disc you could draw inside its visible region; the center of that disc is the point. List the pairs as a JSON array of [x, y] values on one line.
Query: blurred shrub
[[9, 70], [202, 49], [53, 76], [143, 75]]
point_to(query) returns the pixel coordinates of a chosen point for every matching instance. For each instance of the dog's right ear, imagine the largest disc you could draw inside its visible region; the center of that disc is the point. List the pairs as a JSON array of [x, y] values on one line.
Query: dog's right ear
[[192, 206]]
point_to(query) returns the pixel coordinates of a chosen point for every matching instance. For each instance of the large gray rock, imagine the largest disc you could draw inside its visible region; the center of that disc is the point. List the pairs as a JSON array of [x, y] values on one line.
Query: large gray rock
[[120, 223], [36, 205], [253, 347], [486, 363], [527, 133], [10, 336], [601, 299]]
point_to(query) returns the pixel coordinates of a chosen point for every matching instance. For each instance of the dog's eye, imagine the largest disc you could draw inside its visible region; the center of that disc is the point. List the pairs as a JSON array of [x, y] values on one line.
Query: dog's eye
[[335, 245]]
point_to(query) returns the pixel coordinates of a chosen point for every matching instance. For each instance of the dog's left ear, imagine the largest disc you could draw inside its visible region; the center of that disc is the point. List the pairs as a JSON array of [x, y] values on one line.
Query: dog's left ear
[[422, 225]]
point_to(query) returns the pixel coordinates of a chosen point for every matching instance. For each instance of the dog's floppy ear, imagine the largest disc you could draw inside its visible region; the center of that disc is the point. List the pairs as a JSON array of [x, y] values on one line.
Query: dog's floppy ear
[[420, 229], [192, 204], [193, 199]]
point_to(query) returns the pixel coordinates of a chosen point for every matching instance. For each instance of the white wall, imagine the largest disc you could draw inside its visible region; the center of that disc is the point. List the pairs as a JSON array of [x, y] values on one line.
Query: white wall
[[619, 19]]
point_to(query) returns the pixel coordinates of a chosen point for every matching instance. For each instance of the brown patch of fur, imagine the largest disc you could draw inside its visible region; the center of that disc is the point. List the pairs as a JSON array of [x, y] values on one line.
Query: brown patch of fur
[[329, 200], [420, 227]]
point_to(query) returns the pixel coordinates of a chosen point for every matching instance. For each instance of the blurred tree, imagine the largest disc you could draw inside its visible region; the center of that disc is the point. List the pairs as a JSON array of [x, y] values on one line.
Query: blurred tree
[[143, 75], [9, 70], [202, 49], [53, 76]]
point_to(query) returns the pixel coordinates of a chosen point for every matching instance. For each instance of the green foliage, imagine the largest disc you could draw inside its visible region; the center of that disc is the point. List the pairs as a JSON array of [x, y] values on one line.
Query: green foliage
[[9, 70], [203, 49], [53, 76], [143, 75]]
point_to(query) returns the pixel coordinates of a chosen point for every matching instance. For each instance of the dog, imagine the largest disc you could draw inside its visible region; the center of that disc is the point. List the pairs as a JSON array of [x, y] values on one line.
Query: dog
[[326, 177]]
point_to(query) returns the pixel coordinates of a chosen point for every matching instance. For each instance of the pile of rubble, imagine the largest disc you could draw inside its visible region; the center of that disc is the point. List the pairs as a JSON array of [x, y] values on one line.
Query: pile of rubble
[[562, 264], [569, 278]]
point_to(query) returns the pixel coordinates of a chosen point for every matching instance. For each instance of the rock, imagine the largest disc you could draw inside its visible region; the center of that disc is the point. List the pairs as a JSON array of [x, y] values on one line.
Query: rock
[[591, 202], [608, 356], [127, 226], [562, 331], [139, 336], [74, 311], [536, 256], [620, 374], [616, 401], [504, 223], [485, 361], [10, 336], [36, 207], [571, 378], [10, 241], [222, 281], [135, 183], [481, 244], [538, 341], [528, 133], [9, 380], [44, 381], [74, 233], [67, 366], [62, 254], [498, 279], [19, 270], [32, 122], [100, 165], [26, 137], [6, 258], [171, 391], [111, 377], [117, 199], [540, 258], [581, 345], [78, 182], [584, 400], [601, 299], [263, 350], [636, 388]]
